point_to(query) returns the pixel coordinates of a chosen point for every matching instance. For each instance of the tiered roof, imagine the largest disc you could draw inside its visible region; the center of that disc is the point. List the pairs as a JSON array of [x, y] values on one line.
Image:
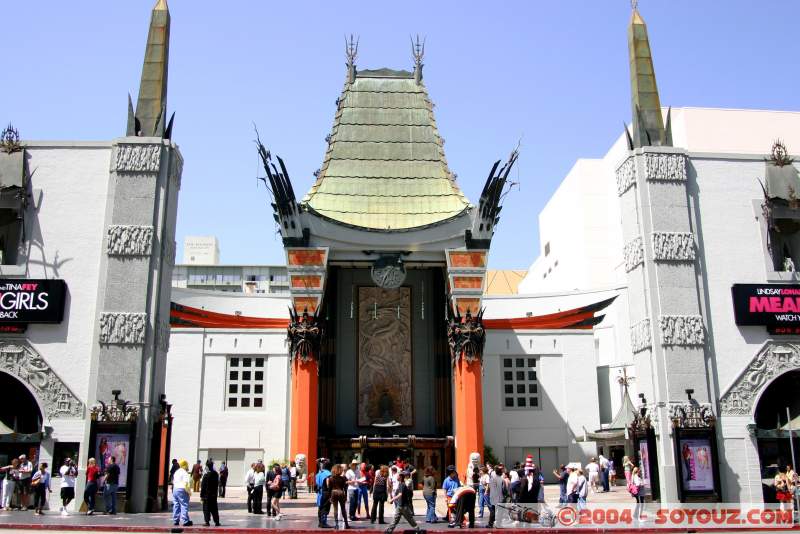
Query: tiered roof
[[385, 167]]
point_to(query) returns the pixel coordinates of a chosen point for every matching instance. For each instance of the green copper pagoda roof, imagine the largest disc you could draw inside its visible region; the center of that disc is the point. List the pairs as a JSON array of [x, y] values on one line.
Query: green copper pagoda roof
[[385, 167]]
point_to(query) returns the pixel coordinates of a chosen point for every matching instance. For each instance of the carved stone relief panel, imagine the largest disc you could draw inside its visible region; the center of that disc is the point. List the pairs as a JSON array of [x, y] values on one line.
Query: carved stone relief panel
[[673, 246], [665, 167], [22, 361], [137, 158], [640, 336], [385, 366], [633, 254], [626, 176], [123, 328], [772, 361], [129, 240], [682, 330]]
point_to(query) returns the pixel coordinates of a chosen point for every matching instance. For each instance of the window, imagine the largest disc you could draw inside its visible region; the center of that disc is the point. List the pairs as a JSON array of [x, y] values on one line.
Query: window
[[520, 384], [245, 382]]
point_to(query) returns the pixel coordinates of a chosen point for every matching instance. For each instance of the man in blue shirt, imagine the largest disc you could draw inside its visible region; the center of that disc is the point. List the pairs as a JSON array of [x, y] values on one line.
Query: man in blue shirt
[[449, 486], [323, 493]]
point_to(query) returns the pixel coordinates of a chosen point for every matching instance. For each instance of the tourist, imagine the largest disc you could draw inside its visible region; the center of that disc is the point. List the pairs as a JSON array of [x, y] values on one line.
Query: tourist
[[604, 472], [197, 474], [284, 479], [352, 489], [514, 482], [627, 466], [561, 474], [582, 490], [593, 470], [181, 486], [464, 499], [337, 487], [362, 487], [90, 493], [783, 491], [379, 495], [429, 494], [274, 491], [401, 499], [249, 484], [174, 467], [10, 484], [794, 481], [451, 483], [483, 499], [209, 490], [259, 479], [636, 489], [612, 474], [24, 482], [68, 473], [292, 480], [496, 492], [323, 493], [572, 485], [529, 485], [392, 481], [111, 484], [40, 482]]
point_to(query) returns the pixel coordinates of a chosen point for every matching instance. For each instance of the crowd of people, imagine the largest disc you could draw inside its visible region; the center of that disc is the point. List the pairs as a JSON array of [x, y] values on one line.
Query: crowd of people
[[26, 487]]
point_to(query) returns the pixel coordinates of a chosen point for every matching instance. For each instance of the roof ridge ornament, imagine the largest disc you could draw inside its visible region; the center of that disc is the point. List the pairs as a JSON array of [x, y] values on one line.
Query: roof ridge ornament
[[418, 52], [351, 52]]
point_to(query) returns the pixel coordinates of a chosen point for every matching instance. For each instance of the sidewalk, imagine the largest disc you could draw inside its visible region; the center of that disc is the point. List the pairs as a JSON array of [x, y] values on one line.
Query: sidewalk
[[298, 516]]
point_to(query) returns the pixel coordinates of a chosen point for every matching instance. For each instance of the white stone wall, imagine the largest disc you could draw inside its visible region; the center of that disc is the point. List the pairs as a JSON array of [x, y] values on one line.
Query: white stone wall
[[567, 389]]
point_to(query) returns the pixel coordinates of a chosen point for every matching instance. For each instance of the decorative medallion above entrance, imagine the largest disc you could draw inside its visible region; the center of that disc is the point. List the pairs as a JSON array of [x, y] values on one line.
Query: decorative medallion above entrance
[[388, 271]]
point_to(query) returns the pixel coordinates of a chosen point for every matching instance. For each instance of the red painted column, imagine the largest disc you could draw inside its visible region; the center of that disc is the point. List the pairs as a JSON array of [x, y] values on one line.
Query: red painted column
[[304, 413], [468, 400]]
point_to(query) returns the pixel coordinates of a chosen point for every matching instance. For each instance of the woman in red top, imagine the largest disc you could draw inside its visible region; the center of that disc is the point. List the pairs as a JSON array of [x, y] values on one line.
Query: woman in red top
[[92, 474]]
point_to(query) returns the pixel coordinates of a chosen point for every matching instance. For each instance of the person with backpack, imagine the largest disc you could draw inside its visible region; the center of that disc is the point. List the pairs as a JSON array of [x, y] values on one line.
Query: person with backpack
[[636, 489], [402, 503], [582, 489]]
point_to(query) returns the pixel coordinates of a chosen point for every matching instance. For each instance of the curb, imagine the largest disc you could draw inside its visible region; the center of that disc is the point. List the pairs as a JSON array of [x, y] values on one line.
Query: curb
[[252, 530]]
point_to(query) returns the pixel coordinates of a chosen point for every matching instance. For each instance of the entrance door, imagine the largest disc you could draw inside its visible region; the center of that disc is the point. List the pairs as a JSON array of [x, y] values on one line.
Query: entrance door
[[20, 420]]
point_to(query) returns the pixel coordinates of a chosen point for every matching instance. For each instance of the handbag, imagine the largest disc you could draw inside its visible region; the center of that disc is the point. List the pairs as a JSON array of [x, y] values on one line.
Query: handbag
[[633, 489], [275, 485]]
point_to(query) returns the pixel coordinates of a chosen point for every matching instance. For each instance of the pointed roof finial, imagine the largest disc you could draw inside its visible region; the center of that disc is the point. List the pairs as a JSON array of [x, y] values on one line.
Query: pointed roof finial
[[648, 123], [151, 104], [351, 52], [634, 5], [418, 51]]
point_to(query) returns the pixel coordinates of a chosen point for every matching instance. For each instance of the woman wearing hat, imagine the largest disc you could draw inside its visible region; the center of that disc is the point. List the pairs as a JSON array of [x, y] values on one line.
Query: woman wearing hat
[[182, 484]]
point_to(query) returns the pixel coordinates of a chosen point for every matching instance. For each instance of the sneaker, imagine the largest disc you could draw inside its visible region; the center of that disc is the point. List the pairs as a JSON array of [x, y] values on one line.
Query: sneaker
[[90, 512], [64, 512], [278, 517]]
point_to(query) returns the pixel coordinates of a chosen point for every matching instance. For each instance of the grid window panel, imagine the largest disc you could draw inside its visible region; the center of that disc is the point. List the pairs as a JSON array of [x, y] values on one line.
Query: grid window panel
[[245, 387], [520, 385]]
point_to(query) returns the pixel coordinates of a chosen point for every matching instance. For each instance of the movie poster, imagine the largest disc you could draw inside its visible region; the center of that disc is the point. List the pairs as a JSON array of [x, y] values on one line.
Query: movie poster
[[118, 446], [697, 473], [644, 463]]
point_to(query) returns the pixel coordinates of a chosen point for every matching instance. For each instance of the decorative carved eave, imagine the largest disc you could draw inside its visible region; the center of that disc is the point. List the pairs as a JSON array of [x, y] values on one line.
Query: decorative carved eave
[[692, 415], [641, 423], [23, 362], [466, 337], [116, 412], [773, 360]]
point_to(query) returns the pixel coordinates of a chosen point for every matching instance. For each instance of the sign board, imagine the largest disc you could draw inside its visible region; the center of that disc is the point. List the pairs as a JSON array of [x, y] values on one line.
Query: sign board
[[776, 306], [24, 301]]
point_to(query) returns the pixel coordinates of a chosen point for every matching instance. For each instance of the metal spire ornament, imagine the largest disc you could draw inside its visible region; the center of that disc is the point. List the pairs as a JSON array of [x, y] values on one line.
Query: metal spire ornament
[[418, 51], [351, 52]]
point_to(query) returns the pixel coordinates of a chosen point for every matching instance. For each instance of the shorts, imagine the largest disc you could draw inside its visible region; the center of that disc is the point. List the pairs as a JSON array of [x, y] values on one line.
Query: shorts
[[783, 496], [24, 485], [67, 493]]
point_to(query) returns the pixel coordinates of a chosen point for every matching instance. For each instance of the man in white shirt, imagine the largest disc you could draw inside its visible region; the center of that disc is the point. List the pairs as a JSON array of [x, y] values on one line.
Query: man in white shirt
[[495, 492], [68, 473], [25, 474], [352, 489], [572, 485], [249, 484]]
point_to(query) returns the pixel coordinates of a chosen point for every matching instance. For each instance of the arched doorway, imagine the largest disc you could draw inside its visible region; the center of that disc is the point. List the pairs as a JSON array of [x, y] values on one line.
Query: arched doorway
[[773, 425], [20, 420]]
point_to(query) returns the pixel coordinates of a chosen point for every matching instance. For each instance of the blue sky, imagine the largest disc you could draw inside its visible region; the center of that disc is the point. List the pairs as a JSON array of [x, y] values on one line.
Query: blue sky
[[553, 73]]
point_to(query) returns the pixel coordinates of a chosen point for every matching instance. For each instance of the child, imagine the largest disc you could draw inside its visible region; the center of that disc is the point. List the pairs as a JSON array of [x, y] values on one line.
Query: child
[[41, 485]]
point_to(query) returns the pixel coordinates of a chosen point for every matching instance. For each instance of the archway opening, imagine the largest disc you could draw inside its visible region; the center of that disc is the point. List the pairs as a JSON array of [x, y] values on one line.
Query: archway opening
[[773, 425], [20, 420]]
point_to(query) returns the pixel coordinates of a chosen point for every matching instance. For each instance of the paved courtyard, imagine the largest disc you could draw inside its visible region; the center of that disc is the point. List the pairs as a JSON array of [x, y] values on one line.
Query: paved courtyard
[[298, 514]]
